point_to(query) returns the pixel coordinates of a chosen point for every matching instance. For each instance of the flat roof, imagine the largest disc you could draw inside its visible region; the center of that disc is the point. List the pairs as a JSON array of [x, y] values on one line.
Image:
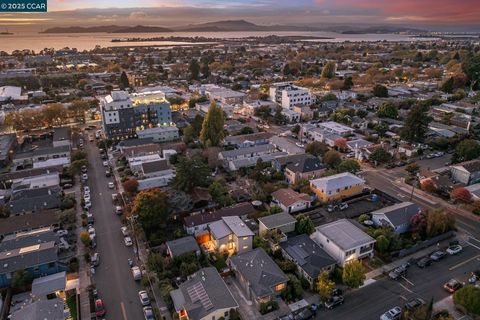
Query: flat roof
[[344, 234]]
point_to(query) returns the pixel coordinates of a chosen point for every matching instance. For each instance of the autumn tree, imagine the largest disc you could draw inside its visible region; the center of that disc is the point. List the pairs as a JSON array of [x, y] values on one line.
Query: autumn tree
[[341, 144], [85, 238], [428, 185], [324, 285], [353, 273], [461, 194], [130, 186], [212, 133], [438, 222], [328, 71]]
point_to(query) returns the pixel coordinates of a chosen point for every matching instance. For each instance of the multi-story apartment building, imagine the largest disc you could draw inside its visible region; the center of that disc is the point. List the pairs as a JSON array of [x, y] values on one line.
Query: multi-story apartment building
[[123, 115], [288, 95]]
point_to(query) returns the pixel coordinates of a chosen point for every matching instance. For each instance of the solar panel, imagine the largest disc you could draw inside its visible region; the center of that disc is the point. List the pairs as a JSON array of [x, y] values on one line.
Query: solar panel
[[197, 293]]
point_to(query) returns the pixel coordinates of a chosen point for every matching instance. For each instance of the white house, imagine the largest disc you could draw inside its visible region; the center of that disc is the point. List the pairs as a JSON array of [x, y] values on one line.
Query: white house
[[343, 241], [288, 95], [291, 201]]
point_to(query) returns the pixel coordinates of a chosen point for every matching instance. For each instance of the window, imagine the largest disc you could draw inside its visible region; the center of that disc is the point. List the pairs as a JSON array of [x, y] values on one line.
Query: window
[[245, 238], [245, 247], [280, 287], [226, 313]]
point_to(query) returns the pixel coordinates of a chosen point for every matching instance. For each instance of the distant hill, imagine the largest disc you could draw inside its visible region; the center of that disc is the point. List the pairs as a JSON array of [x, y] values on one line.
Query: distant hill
[[239, 25], [107, 29], [381, 29]]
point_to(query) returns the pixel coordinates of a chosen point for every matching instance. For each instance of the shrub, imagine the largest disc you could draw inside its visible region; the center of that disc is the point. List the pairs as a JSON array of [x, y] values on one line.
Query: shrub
[[468, 298], [266, 307]]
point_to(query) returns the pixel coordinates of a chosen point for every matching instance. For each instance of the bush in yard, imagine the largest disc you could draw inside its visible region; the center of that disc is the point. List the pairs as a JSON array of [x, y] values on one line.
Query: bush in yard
[[468, 299], [461, 194], [363, 218], [353, 274], [266, 307], [85, 238], [324, 285], [130, 185]]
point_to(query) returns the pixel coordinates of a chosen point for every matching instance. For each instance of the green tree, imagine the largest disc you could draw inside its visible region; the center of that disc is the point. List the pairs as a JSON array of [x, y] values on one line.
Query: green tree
[[347, 83], [332, 159], [219, 194], [76, 166], [316, 148], [447, 85], [379, 155], [438, 222], [353, 274], [194, 69], [416, 124], [278, 117], [304, 225], [124, 83], [388, 110], [212, 133], [466, 150], [382, 244], [294, 288], [151, 208], [348, 165], [191, 173], [324, 285], [412, 168], [328, 71], [21, 278], [471, 67], [380, 91], [468, 299]]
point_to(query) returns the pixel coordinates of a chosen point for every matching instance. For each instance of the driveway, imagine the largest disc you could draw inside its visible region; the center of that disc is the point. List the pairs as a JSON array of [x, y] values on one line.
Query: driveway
[[113, 277]]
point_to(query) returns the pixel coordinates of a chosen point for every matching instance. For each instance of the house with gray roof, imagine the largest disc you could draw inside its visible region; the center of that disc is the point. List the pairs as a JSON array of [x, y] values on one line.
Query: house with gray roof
[[259, 276], [38, 259], [28, 238], [310, 259], [467, 172], [44, 288], [303, 168], [397, 216], [39, 155], [231, 235], [246, 157], [204, 296], [181, 246], [35, 200], [283, 222], [343, 241], [43, 309]]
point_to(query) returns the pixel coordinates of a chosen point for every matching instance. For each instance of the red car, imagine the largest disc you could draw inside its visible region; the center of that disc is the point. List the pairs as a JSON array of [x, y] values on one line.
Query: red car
[[99, 308]]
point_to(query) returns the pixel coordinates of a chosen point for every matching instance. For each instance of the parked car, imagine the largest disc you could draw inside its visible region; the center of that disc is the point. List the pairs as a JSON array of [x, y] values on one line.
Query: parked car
[[144, 299], [333, 301], [304, 315], [86, 197], [331, 207], [86, 189], [87, 205], [90, 219], [475, 275], [137, 274], [148, 313], [452, 285], [95, 259], [392, 314], [105, 163], [424, 262], [128, 241], [118, 210], [84, 169], [67, 186], [124, 231], [91, 232], [84, 177], [62, 232], [398, 272], [414, 303], [111, 185], [454, 249], [438, 255], [108, 174], [343, 206], [100, 308]]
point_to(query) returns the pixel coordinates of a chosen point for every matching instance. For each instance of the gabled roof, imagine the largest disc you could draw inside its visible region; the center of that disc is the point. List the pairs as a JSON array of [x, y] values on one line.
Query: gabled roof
[[288, 197], [203, 293], [470, 166], [25, 239], [307, 254], [305, 164], [182, 245], [400, 213], [337, 181], [344, 234], [42, 309], [229, 225], [259, 270], [49, 284], [22, 258]]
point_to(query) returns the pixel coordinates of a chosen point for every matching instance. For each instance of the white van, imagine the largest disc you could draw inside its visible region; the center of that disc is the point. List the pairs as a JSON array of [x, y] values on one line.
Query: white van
[[137, 274]]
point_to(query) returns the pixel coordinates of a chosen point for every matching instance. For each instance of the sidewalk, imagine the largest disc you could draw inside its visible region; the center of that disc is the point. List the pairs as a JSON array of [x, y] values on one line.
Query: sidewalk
[[83, 267], [388, 267], [447, 304], [143, 257]]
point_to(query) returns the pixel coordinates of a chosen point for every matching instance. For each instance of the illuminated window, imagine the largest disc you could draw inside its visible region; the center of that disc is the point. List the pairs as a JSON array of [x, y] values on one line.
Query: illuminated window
[[280, 287]]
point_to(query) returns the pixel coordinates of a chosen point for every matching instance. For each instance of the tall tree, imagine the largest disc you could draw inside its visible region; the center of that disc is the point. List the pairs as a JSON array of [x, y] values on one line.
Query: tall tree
[[316, 148], [124, 83], [465, 150], [151, 208], [353, 274], [328, 71], [212, 133], [388, 110], [304, 225], [192, 172], [332, 159], [194, 69], [324, 285], [416, 124]]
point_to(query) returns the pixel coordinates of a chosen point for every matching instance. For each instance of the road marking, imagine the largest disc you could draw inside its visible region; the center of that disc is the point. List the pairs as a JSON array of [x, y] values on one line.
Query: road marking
[[410, 282], [124, 312], [463, 262], [473, 245], [405, 288], [403, 298]]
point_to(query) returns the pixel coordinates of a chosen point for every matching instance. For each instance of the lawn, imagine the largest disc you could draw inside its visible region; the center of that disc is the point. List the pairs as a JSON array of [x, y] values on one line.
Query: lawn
[[72, 305]]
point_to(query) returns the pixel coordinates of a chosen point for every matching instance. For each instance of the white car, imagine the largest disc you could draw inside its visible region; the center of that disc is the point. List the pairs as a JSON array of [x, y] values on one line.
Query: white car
[[300, 145], [87, 205], [86, 197], [128, 241], [92, 233], [105, 163], [392, 314], [454, 249], [62, 232], [84, 177], [86, 189], [144, 299], [111, 185], [124, 231]]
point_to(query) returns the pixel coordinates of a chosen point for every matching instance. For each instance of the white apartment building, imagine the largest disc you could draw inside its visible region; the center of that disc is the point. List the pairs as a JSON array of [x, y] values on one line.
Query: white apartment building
[[288, 95]]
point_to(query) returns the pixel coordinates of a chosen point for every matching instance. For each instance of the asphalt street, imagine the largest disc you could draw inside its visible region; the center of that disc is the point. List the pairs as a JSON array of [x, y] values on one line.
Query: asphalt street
[[372, 301], [113, 277]]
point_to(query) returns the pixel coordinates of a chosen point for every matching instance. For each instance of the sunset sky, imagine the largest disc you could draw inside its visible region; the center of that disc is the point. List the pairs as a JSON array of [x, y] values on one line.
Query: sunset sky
[[440, 14]]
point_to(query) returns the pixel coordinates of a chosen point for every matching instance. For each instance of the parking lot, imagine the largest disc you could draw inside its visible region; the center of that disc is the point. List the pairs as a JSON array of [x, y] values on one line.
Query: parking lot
[[373, 300]]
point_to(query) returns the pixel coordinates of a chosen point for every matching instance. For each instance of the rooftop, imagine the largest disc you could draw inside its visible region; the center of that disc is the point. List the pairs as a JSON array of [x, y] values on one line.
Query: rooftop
[[344, 234], [25, 257], [49, 284], [337, 181], [277, 220], [399, 213], [240, 209], [289, 197], [182, 245]]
